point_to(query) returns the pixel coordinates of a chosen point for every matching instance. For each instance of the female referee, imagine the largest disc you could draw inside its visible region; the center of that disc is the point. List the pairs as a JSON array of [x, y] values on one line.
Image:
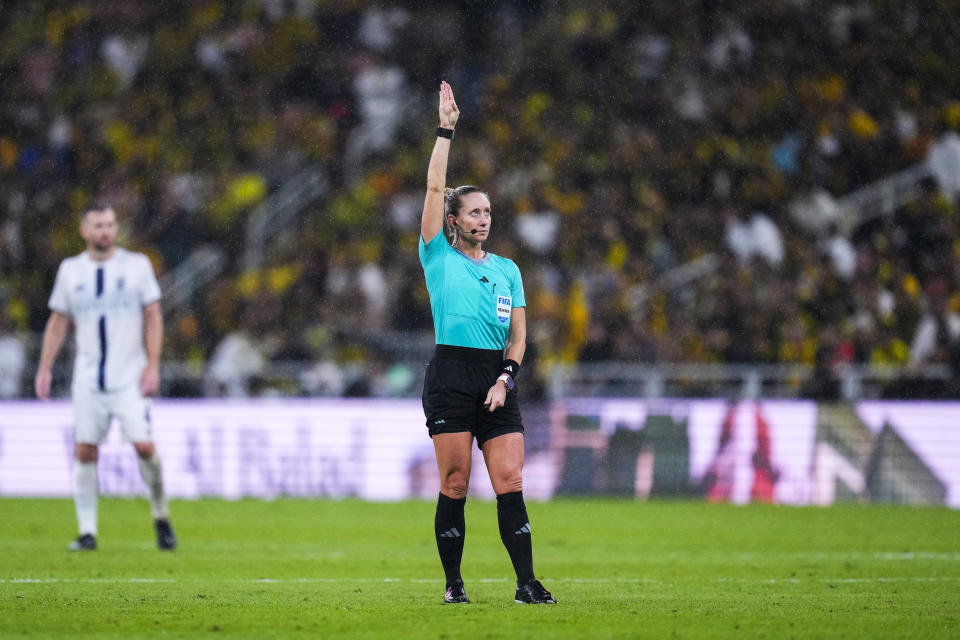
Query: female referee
[[468, 392]]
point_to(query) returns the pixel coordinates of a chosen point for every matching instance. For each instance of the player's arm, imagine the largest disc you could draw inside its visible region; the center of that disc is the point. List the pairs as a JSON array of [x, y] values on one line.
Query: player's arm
[[516, 347], [153, 343], [53, 336], [432, 221]]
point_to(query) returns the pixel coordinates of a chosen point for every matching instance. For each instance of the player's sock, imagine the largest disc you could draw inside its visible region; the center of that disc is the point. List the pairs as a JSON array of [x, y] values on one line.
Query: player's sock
[[152, 473], [515, 533], [85, 490], [450, 529]]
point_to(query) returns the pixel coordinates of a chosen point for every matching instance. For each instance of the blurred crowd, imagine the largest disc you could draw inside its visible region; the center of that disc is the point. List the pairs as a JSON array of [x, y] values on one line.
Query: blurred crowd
[[666, 175]]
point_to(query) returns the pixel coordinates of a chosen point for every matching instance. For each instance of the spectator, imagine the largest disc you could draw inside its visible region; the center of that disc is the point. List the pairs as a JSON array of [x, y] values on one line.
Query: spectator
[[235, 363], [754, 235], [944, 163], [841, 253], [937, 339], [13, 358]]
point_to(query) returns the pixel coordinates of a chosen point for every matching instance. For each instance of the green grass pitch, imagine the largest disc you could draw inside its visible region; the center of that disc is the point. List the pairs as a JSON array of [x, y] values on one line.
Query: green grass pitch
[[620, 569]]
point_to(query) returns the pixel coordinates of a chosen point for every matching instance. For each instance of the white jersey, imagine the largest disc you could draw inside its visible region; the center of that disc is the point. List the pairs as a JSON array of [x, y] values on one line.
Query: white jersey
[[106, 300]]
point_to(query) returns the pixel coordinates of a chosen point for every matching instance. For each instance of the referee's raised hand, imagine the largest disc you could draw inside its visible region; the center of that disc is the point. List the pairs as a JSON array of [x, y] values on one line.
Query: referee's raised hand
[[449, 111]]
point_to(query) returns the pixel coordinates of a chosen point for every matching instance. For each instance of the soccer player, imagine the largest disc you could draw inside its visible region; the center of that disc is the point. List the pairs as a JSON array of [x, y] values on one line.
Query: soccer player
[[112, 297], [480, 324]]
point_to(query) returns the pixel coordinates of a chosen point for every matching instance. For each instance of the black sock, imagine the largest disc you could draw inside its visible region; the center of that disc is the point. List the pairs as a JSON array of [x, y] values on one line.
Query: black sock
[[515, 533], [450, 529]]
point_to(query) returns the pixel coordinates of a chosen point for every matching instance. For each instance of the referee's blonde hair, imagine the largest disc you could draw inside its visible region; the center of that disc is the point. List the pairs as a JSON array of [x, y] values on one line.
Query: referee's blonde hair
[[451, 207]]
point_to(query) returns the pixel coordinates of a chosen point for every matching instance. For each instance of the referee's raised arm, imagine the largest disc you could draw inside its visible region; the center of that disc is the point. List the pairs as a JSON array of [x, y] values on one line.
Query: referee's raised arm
[[432, 221]]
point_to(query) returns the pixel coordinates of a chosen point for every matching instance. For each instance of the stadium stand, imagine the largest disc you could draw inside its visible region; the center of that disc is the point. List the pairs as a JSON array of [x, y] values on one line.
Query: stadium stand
[[688, 186]]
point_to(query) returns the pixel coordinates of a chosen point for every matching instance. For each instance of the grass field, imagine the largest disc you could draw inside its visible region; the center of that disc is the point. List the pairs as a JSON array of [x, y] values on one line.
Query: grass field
[[299, 568]]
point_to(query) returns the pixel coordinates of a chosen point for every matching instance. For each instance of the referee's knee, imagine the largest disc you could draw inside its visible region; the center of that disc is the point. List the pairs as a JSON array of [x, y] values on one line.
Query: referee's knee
[[454, 485], [509, 483]]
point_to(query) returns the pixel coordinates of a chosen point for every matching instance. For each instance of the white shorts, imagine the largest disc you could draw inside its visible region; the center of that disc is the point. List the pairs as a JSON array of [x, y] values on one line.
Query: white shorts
[[93, 412]]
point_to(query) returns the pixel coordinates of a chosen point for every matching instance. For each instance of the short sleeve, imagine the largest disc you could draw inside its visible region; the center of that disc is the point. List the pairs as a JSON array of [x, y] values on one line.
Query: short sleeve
[[59, 297], [430, 251], [150, 292], [519, 300]]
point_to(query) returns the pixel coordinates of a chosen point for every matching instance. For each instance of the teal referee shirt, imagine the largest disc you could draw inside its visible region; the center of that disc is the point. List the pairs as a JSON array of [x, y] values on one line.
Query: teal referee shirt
[[471, 299]]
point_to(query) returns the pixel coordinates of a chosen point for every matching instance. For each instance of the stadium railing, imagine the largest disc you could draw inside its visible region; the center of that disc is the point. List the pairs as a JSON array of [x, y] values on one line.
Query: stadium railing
[[618, 379], [679, 379], [179, 284], [181, 378], [880, 198], [275, 214]]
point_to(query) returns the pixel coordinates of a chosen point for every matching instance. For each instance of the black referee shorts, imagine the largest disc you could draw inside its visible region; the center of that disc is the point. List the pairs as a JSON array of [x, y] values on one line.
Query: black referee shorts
[[454, 388]]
